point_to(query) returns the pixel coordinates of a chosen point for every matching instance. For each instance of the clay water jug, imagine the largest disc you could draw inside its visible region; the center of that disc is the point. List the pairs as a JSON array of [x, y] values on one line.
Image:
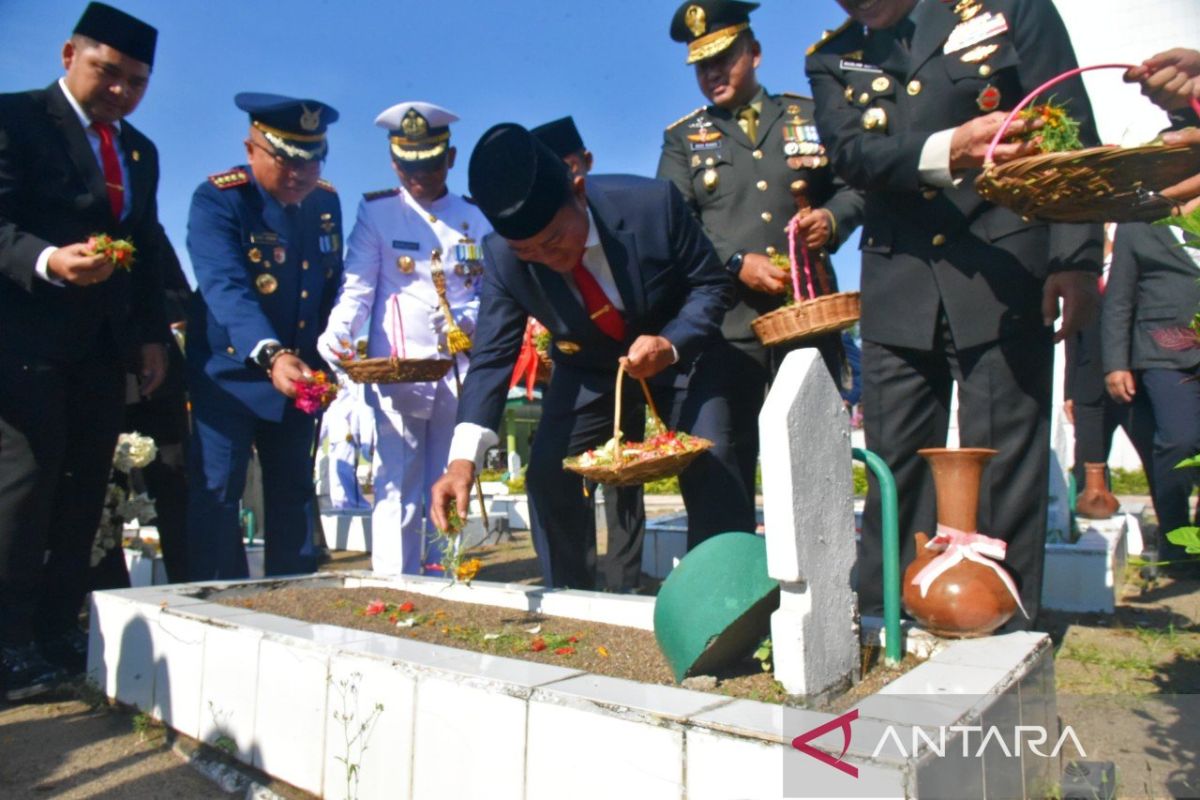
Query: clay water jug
[[969, 599], [1096, 501]]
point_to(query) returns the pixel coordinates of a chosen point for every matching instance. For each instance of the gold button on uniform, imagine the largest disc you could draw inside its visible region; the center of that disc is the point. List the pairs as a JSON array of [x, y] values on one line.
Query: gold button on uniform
[[762, 186], [304, 264], [939, 240], [230, 350], [880, 84], [301, 324], [985, 70], [929, 194], [757, 154], [864, 98], [304, 294], [766, 216], [914, 88]]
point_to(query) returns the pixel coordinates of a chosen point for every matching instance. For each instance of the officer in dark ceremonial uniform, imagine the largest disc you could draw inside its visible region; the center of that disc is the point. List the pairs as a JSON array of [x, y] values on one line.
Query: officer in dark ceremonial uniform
[[266, 246], [954, 289], [746, 164]]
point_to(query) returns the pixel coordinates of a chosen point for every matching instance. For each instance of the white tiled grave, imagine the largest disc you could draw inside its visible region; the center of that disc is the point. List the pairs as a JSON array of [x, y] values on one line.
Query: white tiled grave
[[1087, 574], [302, 701]]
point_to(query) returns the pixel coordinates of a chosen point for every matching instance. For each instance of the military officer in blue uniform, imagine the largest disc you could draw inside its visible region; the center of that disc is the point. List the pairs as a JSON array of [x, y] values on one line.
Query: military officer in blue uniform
[[265, 241]]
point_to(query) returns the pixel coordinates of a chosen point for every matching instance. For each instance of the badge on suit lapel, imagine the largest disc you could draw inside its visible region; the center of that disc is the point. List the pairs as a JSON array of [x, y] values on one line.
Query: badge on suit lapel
[[327, 223], [255, 255], [266, 283], [706, 137], [279, 254], [136, 155], [989, 98], [567, 348]]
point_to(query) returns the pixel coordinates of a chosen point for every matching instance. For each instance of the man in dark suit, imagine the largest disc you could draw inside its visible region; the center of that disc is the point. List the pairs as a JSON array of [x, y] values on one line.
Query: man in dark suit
[[624, 506], [70, 167], [747, 164], [618, 270], [266, 246], [954, 289], [1152, 286]]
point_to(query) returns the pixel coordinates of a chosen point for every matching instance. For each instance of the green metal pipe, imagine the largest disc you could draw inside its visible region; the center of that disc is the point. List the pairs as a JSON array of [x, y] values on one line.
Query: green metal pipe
[[893, 651]]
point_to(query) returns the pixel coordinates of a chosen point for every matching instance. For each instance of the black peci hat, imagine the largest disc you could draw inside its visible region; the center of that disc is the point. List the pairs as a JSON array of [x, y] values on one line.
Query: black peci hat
[[561, 136], [118, 30], [518, 182]]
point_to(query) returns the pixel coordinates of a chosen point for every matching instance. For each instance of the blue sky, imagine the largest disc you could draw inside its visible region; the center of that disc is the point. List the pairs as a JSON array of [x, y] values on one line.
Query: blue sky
[[611, 65]]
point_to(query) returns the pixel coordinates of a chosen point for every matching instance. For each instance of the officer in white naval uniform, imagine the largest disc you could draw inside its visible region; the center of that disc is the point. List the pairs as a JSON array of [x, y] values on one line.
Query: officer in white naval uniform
[[388, 280]]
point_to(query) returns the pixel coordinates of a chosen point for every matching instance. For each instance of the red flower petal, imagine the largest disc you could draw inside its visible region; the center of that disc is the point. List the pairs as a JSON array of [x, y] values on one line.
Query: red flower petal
[[537, 645], [564, 651], [406, 607]]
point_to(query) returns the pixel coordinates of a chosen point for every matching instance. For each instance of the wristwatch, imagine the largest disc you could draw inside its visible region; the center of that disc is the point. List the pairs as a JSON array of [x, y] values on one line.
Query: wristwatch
[[266, 355], [734, 264]]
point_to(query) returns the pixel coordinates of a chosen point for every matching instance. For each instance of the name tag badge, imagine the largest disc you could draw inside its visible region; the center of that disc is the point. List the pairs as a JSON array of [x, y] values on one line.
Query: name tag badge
[[982, 27], [858, 66], [398, 244], [264, 237]]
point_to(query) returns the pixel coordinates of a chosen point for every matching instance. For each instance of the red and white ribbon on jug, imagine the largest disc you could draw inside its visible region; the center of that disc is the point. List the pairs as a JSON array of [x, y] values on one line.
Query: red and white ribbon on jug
[[958, 545]]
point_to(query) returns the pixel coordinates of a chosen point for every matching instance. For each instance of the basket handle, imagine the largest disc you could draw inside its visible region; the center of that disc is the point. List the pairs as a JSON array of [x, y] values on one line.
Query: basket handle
[[397, 329], [1071, 73], [618, 458], [796, 293]]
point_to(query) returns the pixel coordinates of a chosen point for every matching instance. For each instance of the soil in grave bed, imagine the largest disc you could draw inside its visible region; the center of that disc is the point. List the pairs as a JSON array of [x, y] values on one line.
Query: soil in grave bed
[[612, 650]]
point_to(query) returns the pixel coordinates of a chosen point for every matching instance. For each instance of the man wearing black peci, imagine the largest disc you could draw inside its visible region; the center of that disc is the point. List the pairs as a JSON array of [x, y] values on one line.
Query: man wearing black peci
[[70, 166], [618, 270]]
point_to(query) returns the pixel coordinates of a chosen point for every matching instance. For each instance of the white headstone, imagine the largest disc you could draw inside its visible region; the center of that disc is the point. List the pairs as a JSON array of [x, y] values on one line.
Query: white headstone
[[808, 514]]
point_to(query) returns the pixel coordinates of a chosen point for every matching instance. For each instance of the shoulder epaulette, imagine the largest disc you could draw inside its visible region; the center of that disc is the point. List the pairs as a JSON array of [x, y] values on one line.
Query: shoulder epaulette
[[229, 179], [326, 185], [827, 35], [686, 117], [378, 195]]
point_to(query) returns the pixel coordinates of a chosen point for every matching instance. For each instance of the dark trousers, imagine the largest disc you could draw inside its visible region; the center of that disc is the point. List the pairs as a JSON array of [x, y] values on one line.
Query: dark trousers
[[1097, 421], [563, 518], [625, 521], [218, 455], [1174, 399], [58, 428], [1004, 403]]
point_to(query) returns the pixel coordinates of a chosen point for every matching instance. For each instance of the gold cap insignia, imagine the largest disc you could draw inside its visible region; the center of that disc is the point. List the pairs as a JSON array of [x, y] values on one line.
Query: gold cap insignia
[[569, 348], [266, 284], [696, 20], [310, 119], [414, 125]]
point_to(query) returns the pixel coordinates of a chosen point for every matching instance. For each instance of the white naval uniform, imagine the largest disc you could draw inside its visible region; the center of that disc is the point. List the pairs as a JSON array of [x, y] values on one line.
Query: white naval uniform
[[348, 426], [413, 421]]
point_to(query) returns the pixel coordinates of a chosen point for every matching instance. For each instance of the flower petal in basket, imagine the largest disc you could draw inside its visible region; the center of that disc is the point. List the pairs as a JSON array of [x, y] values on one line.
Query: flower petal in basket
[[637, 471], [395, 370]]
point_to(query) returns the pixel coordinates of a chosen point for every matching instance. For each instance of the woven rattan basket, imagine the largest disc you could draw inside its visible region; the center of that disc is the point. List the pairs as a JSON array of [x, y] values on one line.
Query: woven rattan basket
[[810, 315], [641, 470], [396, 370], [808, 318], [1096, 184]]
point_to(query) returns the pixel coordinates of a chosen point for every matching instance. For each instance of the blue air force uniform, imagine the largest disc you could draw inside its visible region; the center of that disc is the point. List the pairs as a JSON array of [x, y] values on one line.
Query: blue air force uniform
[[266, 277]]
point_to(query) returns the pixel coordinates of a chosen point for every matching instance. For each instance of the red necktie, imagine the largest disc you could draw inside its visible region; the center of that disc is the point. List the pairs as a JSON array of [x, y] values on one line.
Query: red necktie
[[600, 309], [112, 168]]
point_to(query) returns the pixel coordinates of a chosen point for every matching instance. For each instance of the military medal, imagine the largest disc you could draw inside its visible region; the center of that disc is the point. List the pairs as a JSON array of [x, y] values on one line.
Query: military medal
[[695, 160], [791, 148], [406, 264], [793, 109], [279, 254], [711, 179], [460, 269], [266, 283], [874, 119], [989, 98], [705, 137], [977, 54], [327, 223], [254, 254]]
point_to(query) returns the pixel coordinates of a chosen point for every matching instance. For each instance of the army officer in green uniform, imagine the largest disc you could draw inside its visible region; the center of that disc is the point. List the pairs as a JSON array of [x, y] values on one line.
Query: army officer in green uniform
[[748, 163]]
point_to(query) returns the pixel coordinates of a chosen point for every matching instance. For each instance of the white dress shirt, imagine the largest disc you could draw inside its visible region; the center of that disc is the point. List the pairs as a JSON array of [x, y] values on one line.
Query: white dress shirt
[[93, 137]]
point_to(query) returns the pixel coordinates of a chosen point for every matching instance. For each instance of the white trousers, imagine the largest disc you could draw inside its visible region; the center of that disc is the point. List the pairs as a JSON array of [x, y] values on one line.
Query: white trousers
[[410, 455]]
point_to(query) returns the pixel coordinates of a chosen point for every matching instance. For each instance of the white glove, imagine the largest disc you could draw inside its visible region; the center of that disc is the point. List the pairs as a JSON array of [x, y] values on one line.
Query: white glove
[[332, 348], [437, 322]]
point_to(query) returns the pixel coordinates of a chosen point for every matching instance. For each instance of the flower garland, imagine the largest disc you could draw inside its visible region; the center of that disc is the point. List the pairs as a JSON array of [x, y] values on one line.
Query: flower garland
[[121, 504]]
